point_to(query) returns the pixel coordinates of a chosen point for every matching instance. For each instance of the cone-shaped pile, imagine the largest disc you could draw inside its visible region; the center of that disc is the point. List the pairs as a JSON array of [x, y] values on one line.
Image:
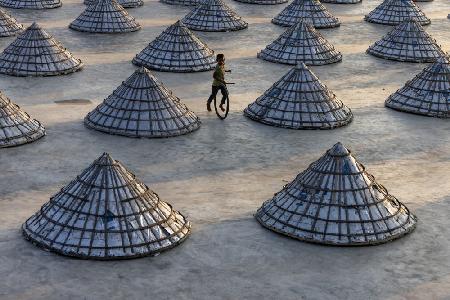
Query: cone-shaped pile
[[106, 213], [142, 107], [16, 126], [426, 94], [177, 49], [335, 201], [300, 9], [181, 2], [341, 1], [301, 43], [408, 42], [214, 15], [105, 16], [37, 53], [8, 25], [263, 2], [123, 3], [394, 12], [31, 4], [299, 101]]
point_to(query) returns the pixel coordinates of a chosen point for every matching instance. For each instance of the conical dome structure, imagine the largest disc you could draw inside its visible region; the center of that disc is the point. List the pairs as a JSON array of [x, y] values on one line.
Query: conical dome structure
[[299, 101], [142, 107], [300, 9], [341, 1], [263, 2], [123, 3], [16, 126], [213, 15], [394, 12], [182, 2], [105, 16], [426, 94], [407, 42], [37, 53], [177, 49], [301, 43], [335, 201], [106, 213], [8, 25], [31, 4]]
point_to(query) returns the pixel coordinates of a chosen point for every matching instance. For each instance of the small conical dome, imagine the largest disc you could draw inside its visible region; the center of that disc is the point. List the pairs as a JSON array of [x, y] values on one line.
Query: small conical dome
[[409, 42], [31, 4], [426, 94], [16, 126], [394, 12], [299, 9], [301, 43], [105, 16], [123, 3], [213, 15], [335, 201], [37, 53], [299, 101], [177, 49], [341, 1], [142, 107], [8, 25], [263, 2], [106, 213], [182, 2]]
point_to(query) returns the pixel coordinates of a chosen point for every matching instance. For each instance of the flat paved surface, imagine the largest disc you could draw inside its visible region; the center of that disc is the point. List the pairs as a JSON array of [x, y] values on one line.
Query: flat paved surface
[[219, 175]]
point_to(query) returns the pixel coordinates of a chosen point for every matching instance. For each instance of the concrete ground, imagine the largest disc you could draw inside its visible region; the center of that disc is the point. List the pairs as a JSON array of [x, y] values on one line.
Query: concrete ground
[[219, 175]]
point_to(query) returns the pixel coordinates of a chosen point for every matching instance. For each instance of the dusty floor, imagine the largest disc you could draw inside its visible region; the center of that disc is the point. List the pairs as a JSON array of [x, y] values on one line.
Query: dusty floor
[[219, 175]]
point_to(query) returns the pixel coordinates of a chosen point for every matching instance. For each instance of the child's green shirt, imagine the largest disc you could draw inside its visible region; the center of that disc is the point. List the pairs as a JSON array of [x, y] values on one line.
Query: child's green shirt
[[219, 72]]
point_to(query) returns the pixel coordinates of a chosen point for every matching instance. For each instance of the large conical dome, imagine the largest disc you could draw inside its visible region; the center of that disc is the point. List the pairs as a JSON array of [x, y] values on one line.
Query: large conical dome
[[106, 213], [37, 53], [31, 4], [301, 43], [213, 15], [299, 9], [407, 42], [16, 126], [123, 3], [426, 94], [8, 25], [142, 107], [394, 12], [335, 201], [263, 2], [299, 101], [177, 49], [105, 16]]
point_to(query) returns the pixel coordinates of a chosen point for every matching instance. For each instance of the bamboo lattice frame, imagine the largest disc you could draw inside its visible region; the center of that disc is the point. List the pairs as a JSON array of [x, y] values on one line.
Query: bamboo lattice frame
[[428, 93], [301, 43], [394, 12], [407, 42], [311, 9], [299, 101], [142, 107], [31, 4], [123, 3], [213, 15], [105, 16], [336, 202], [177, 49], [105, 214], [16, 126], [37, 53], [263, 2], [8, 25]]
